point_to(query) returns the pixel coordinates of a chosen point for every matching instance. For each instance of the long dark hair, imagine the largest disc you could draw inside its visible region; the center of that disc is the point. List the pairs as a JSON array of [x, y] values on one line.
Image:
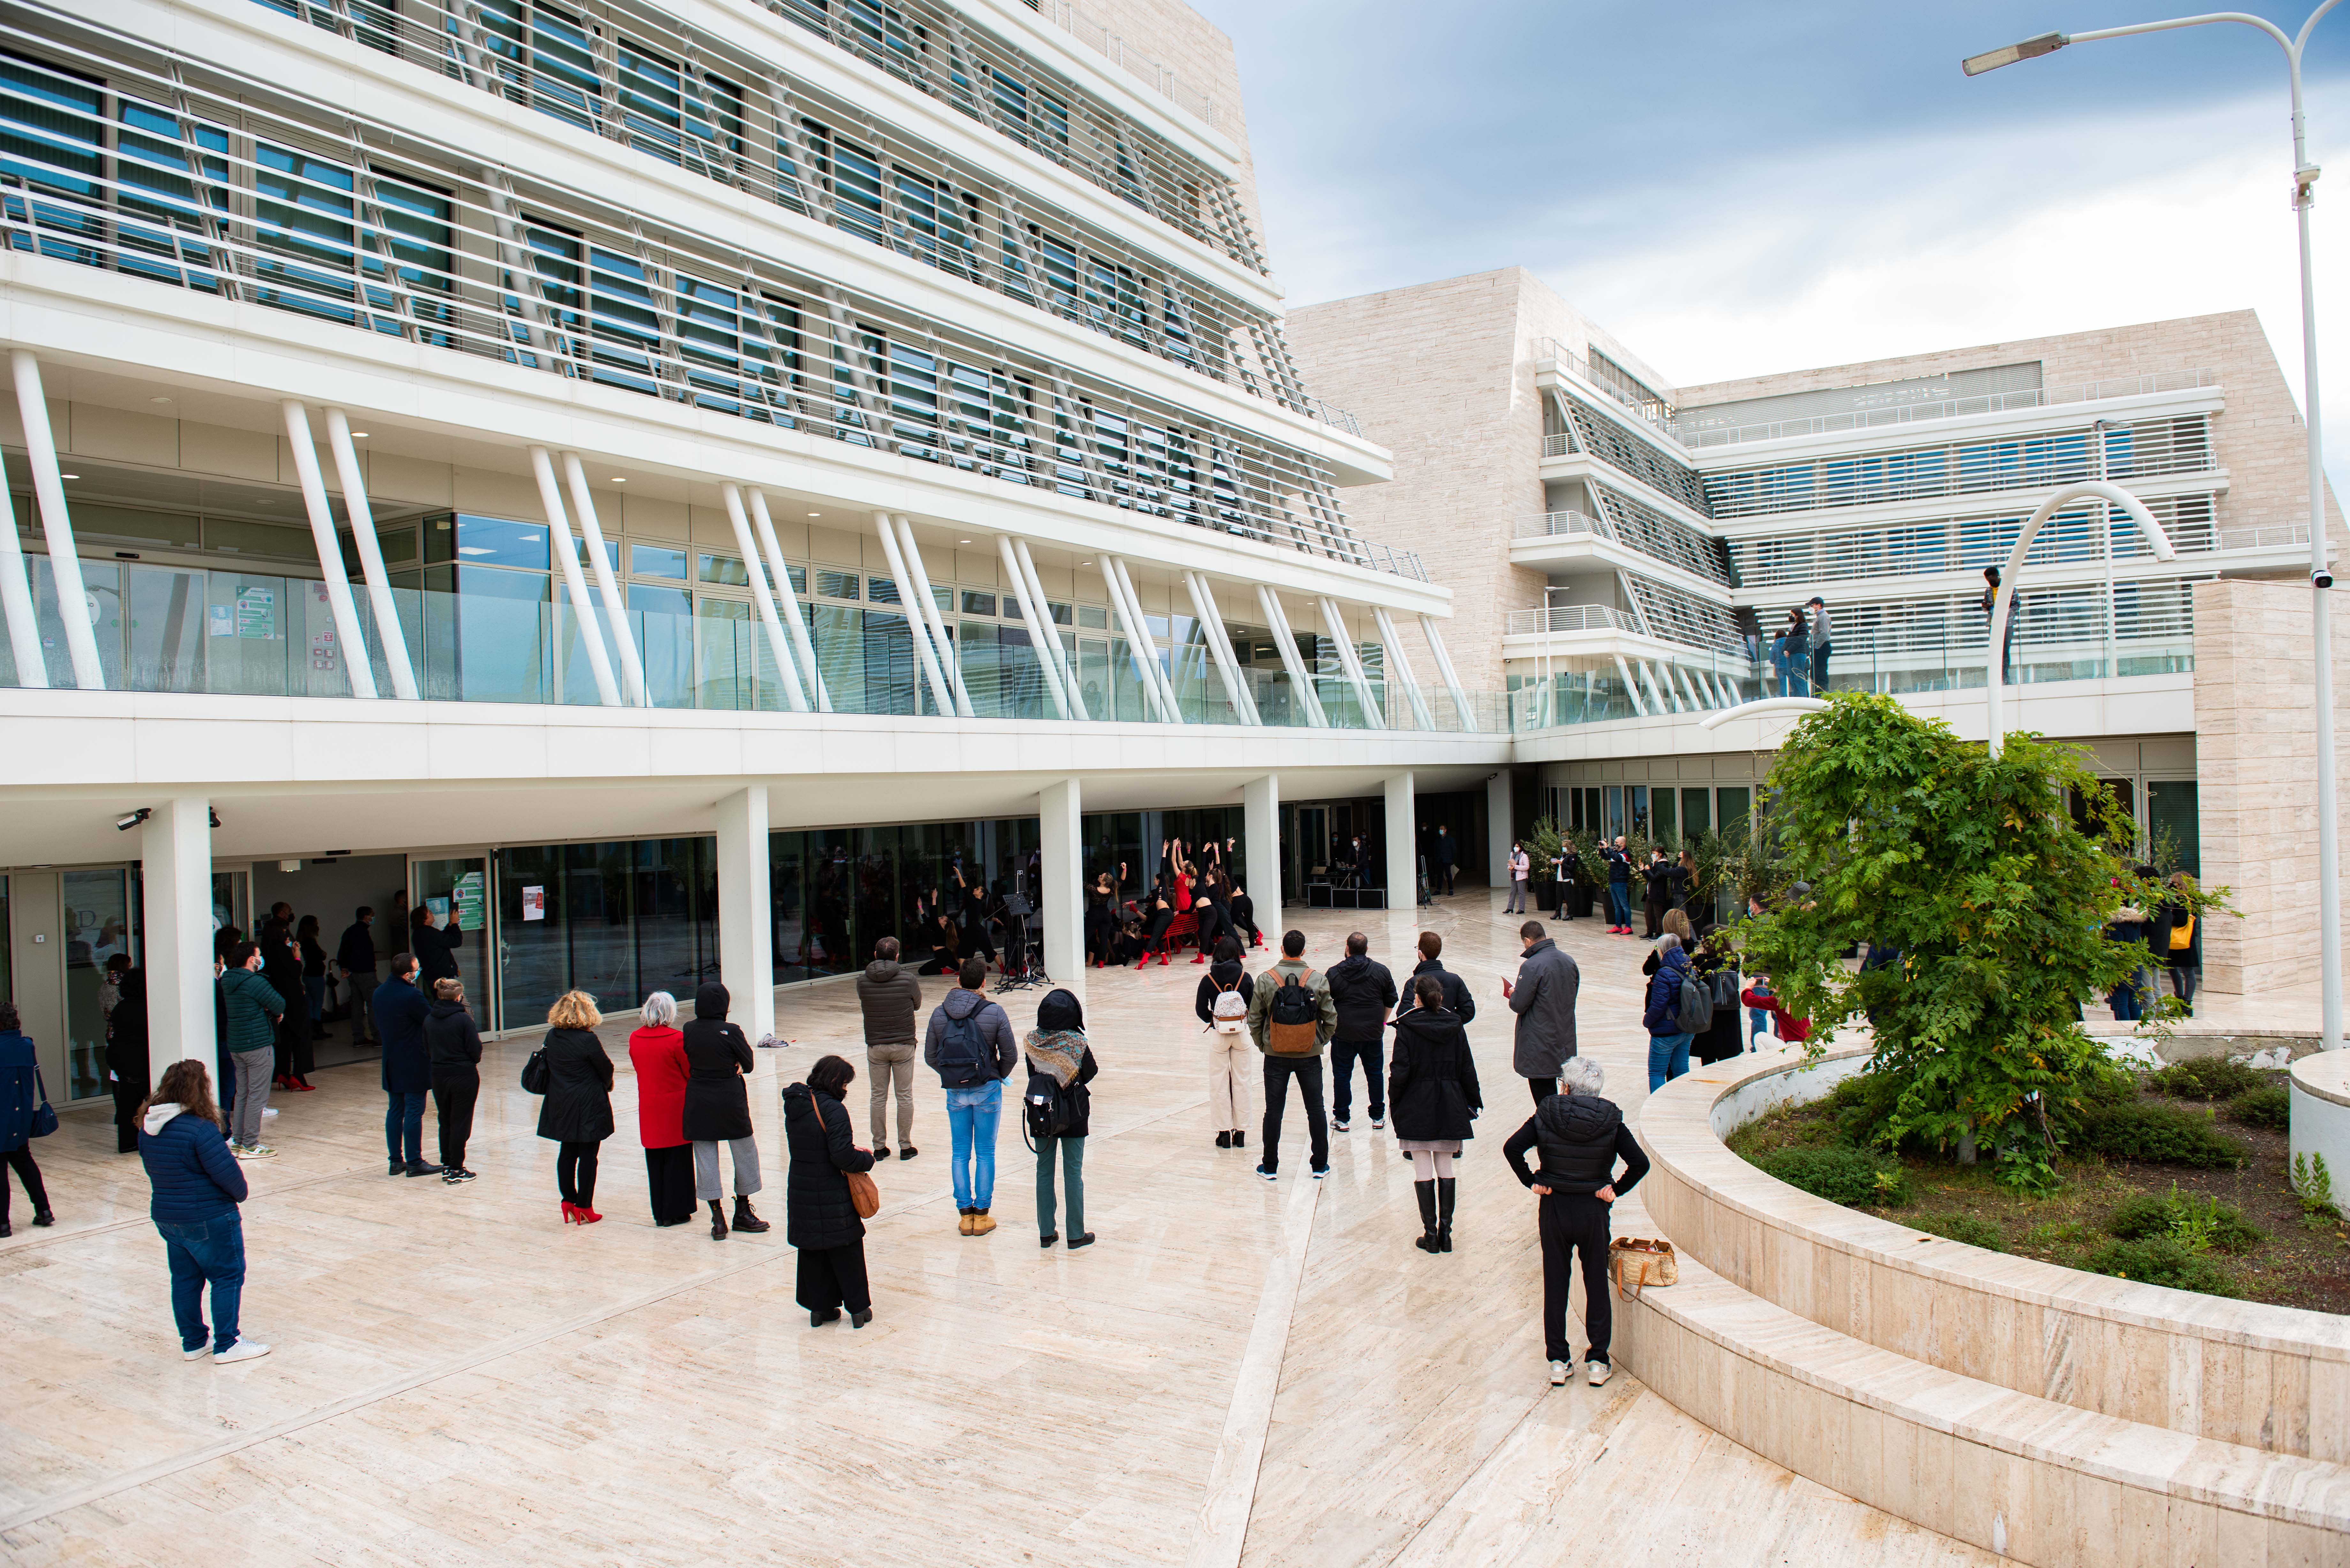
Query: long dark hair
[[186, 1084]]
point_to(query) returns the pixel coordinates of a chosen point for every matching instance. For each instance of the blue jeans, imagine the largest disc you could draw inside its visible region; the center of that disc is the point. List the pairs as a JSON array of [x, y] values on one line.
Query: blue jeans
[[212, 1250], [1667, 1058], [972, 1115], [1619, 903], [403, 1122]]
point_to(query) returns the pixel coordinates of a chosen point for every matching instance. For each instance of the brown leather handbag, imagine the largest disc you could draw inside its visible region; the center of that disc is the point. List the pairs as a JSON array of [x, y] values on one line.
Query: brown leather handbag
[[863, 1191]]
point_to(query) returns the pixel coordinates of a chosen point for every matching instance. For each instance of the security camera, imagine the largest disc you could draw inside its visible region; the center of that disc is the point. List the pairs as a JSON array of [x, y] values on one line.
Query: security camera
[[2323, 577], [125, 824]]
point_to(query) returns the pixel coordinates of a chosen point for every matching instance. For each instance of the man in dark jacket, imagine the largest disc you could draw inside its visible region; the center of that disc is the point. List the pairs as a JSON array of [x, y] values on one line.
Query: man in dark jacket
[[281, 966], [888, 995], [1363, 991], [401, 1011], [250, 1008], [1443, 858], [1544, 1000], [1457, 1000], [453, 1045], [1620, 888], [1581, 1137], [969, 1045], [355, 956]]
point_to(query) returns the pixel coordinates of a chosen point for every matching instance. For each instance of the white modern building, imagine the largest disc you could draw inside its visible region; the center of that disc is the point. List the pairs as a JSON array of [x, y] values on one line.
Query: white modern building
[[673, 482]]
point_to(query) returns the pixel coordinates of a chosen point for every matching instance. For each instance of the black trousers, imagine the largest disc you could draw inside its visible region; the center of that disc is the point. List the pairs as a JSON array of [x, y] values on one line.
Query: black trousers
[[454, 1090], [1653, 911], [1575, 1227], [1307, 1071], [294, 1042], [1344, 1054], [1541, 1088], [1444, 879], [834, 1277], [20, 1160], [575, 1173], [669, 1177], [127, 1096]]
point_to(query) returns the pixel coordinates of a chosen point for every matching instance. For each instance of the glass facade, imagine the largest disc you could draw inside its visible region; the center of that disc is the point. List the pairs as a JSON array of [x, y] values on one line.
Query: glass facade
[[617, 921]]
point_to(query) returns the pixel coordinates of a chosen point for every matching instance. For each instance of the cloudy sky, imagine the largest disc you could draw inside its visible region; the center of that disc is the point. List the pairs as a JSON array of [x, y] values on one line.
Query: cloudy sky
[[1737, 188]]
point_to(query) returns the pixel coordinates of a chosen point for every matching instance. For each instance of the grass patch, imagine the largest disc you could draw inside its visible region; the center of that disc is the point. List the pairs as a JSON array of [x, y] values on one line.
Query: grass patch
[[2159, 1260], [1842, 1174], [1967, 1228], [2206, 1078]]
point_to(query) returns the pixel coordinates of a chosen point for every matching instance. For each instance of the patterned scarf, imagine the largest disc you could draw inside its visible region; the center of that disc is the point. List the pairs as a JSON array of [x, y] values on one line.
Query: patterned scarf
[[1060, 1051]]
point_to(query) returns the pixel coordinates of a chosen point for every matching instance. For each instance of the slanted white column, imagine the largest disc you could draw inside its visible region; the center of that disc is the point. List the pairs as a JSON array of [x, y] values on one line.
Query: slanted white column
[[1139, 646], [1260, 844], [1631, 687], [1403, 843], [1500, 813], [388, 631], [175, 866], [1038, 620], [1157, 673], [1286, 641], [16, 603], [746, 941], [788, 600], [567, 560], [356, 663], [607, 585], [57, 525], [1035, 585], [1400, 667], [1334, 621], [930, 608], [1059, 807], [1444, 667], [786, 664], [917, 623], [1212, 632]]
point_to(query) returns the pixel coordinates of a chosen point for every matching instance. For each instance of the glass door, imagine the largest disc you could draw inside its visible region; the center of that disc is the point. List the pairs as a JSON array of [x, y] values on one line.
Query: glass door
[[233, 901], [98, 927], [457, 892]]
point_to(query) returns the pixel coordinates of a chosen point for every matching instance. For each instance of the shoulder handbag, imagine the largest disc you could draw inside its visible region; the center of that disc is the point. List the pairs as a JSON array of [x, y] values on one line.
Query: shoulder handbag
[[2182, 935], [863, 1191], [1634, 1262], [45, 1120], [535, 1074]]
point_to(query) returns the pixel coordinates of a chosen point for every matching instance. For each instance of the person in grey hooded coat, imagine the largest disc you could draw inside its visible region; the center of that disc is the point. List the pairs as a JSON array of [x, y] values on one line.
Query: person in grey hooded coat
[[1544, 998]]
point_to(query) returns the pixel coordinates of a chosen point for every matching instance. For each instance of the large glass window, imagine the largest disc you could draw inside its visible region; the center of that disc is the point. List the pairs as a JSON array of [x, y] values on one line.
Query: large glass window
[[97, 926]]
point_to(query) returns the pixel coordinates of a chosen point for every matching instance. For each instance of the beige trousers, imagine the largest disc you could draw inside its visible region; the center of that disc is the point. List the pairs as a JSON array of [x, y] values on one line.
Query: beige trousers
[[883, 1063], [1232, 1064]]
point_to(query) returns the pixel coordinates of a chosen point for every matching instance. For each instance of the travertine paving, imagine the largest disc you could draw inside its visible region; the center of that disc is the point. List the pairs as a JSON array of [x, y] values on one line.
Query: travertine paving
[[1238, 1372]]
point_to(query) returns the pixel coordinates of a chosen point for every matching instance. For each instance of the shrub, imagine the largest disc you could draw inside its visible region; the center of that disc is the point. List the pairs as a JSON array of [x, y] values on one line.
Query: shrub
[[1842, 1175], [2206, 1078], [1965, 1228], [2171, 1135], [2196, 1226], [2270, 1107], [2159, 1260], [2140, 1215]]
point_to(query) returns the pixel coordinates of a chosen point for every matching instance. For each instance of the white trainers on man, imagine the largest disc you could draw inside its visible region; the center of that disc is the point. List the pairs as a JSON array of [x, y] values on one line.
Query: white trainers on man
[[199, 1353], [1597, 1372], [1558, 1371], [243, 1349]]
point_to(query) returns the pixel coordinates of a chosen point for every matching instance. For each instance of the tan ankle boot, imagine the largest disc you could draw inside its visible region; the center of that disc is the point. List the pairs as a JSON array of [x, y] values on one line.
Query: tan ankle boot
[[980, 1224]]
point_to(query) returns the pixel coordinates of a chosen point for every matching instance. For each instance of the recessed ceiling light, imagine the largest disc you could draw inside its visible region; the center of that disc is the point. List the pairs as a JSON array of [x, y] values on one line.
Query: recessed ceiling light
[[815, 514], [962, 541], [617, 480], [159, 399], [358, 435], [68, 477]]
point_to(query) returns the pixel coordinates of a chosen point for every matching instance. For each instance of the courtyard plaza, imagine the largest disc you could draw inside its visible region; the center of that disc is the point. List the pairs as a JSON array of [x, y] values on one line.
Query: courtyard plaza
[[1239, 1373]]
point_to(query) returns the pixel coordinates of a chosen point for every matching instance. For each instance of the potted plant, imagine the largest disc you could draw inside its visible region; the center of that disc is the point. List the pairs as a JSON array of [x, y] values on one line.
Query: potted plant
[[1542, 844]]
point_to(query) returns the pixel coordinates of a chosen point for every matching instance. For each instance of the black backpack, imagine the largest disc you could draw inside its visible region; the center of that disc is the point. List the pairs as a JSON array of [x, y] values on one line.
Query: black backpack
[[1053, 1111], [965, 1058]]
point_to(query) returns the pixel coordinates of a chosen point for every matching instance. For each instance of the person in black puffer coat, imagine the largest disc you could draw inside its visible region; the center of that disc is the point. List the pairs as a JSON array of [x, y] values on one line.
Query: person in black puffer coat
[[453, 1042], [1364, 991], [578, 1111], [718, 1109], [1432, 1089], [1581, 1137], [819, 1216], [126, 1059]]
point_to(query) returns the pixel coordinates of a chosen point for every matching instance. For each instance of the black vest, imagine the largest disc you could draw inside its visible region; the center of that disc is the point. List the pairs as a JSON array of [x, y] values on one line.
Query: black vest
[[1578, 1136]]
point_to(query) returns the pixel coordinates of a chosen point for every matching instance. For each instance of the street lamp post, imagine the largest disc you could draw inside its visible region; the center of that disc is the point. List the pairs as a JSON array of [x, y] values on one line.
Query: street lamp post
[[2321, 575], [2003, 595]]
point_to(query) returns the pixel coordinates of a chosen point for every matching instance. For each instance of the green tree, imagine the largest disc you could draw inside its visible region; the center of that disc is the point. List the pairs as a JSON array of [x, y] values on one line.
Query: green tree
[[1970, 868]]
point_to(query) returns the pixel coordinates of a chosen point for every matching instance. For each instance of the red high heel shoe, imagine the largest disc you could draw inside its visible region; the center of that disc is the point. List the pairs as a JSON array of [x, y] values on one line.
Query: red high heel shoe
[[587, 1216], [570, 1212]]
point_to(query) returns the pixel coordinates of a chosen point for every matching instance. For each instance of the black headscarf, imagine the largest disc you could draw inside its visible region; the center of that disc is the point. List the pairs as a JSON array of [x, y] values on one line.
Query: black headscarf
[[711, 1000], [1061, 1009]]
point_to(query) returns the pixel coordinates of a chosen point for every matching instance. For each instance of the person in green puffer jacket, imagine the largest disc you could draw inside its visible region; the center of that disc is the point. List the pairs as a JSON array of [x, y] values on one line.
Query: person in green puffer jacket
[[252, 1007]]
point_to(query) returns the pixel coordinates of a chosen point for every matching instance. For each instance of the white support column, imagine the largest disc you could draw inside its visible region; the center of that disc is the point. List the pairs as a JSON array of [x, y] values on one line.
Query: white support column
[[786, 665], [1211, 633], [356, 663], [1260, 848], [1158, 673], [1398, 665], [1685, 685], [389, 634], [787, 599], [16, 603], [1403, 843], [917, 623], [607, 585], [1284, 641], [57, 525], [1500, 810], [566, 559], [175, 873], [1214, 623], [948, 657], [746, 941], [1037, 619], [1631, 687], [1059, 812], [1035, 585], [1334, 621], [1656, 695], [1444, 669], [1138, 643]]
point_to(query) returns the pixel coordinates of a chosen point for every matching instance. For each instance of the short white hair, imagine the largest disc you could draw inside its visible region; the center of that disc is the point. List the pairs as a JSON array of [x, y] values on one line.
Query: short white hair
[[659, 1010], [1581, 1075]]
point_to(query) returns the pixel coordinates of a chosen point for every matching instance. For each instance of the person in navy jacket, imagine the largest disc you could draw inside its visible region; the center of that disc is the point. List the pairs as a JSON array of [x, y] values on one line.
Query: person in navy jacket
[[197, 1186]]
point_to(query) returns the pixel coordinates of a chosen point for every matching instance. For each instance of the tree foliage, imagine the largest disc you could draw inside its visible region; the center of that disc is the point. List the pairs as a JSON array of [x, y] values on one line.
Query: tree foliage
[[1970, 868]]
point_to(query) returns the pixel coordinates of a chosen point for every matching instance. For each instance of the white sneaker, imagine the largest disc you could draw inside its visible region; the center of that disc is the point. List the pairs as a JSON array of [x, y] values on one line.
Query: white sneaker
[[199, 1353], [256, 1151], [267, 1112], [1342, 1126], [243, 1349], [1558, 1370], [1377, 1122], [1597, 1372]]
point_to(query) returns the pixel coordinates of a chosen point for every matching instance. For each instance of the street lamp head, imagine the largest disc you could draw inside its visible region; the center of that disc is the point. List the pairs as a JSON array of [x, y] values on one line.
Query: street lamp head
[[2030, 49]]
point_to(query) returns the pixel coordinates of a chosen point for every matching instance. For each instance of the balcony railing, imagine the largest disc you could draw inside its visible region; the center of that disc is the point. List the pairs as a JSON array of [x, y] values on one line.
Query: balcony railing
[[1396, 563], [1689, 426], [1549, 525], [1569, 617], [1647, 405]]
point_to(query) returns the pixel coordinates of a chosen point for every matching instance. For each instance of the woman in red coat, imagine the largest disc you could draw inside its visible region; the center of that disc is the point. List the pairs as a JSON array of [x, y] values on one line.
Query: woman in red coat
[[657, 1052]]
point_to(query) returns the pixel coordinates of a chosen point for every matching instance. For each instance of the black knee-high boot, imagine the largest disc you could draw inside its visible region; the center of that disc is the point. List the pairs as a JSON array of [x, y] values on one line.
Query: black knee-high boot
[[1444, 1189], [1426, 1193]]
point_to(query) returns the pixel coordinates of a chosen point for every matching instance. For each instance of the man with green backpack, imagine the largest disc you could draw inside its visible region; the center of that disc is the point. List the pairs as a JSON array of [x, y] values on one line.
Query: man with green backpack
[[1292, 1017]]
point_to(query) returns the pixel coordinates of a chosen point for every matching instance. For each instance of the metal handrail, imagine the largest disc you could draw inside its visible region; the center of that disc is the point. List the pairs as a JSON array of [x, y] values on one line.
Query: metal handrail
[[1684, 429], [1540, 525], [1098, 36], [1655, 411], [1568, 618]]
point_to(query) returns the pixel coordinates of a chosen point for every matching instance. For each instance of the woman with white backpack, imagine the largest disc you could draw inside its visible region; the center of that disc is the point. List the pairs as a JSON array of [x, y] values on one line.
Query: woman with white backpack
[[1222, 1006]]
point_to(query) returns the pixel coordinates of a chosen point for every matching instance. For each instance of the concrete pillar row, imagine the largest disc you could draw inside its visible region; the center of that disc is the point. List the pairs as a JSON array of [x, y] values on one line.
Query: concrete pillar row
[[1060, 808], [1403, 845], [1500, 823], [1261, 842], [175, 853], [746, 948]]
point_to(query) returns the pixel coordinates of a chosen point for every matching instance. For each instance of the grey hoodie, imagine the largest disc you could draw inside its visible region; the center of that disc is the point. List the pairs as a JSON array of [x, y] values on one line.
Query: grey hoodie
[[158, 1115], [993, 1023]]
